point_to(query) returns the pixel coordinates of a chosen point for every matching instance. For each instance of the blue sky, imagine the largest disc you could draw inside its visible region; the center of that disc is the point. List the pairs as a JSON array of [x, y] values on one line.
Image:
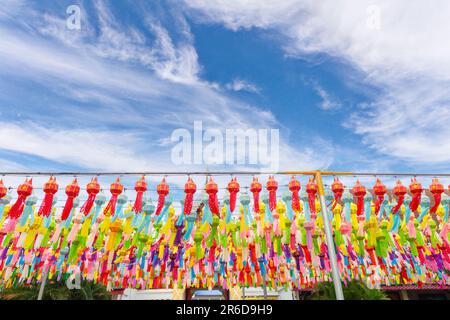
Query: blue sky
[[346, 95]]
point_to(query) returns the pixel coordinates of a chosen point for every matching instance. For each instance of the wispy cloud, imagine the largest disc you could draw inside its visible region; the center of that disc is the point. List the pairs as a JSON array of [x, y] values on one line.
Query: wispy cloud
[[405, 54], [328, 102], [242, 85], [115, 93]]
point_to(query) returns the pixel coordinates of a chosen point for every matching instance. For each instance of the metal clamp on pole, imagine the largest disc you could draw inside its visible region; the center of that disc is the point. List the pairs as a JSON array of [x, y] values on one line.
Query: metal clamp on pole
[[329, 238]]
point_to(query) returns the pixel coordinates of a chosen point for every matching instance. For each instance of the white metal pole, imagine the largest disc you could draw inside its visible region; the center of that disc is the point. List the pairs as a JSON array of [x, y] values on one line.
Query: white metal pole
[[42, 287], [329, 239]]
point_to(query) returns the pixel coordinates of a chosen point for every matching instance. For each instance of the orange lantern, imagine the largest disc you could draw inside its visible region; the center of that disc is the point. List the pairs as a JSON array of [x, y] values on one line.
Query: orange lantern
[[436, 188], [212, 189], [272, 187], [311, 190], [189, 188], [416, 190], [399, 191], [92, 188], [72, 191], [380, 190], [233, 189], [140, 187], [3, 189], [294, 187], [359, 191], [23, 191], [163, 191], [338, 189], [255, 189], [50, 188], [116, 189]]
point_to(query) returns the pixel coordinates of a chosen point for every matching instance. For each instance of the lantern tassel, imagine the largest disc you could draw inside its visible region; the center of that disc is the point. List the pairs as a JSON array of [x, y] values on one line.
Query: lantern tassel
[[437, 202], [256, 201], [188, 203], [17, 208], [111, 207], [232, 201], [46, 206], [87, 206], [399, 204], [67, 208], [137, 207], [415, 201]]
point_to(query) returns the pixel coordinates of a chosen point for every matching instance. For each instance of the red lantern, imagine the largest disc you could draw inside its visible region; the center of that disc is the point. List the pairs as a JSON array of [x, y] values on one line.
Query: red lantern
[[24, 190], [140, 187], [338, 189], [92, 188], [212, 189], [399, 191], [255, 188], [416, 190], [163, 191], [50, 188], [311, 190], [233, 189], [3, 189], [72, 191], [189, 188], [115, 189], [436, 188], [359, 191], [272, 187], [294, 187], [380, 190]]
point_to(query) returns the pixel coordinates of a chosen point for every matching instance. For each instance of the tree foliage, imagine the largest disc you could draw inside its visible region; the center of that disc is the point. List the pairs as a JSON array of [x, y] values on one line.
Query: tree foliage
[[57, 290], [354, 290]]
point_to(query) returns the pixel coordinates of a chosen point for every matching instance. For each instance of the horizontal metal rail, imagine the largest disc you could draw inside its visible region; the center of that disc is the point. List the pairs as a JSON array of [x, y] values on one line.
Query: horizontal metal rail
[[218, 173]]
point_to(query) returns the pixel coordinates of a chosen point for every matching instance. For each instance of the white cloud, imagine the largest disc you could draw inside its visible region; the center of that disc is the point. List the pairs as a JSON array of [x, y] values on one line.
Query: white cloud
[[242, 85], [407, 58], [328, 102], [103, 150], [94, 72]]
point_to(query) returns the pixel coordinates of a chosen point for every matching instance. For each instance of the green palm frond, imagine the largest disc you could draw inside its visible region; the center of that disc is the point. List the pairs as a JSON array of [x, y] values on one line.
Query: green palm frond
[[57, 290]]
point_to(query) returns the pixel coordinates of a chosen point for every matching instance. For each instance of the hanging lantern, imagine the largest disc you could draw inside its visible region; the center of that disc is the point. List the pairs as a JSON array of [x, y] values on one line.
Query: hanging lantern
[[3, 189], [416, 190], [272, 187], [399, 191], [92, 188], [338, 189], [24, 190], [380, 190], [294, 187], [50, 188], [189, 188], [233, 189], [116, 188], [212, 189], [72, 191], [311, 190], [163, 191], [255, 189], [140, 187], [359, 191], [436, 188]]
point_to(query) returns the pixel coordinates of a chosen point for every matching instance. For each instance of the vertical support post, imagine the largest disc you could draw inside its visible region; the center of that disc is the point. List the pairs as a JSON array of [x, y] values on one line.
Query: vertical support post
[[329, 239], [43, 282], [265, 288]]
